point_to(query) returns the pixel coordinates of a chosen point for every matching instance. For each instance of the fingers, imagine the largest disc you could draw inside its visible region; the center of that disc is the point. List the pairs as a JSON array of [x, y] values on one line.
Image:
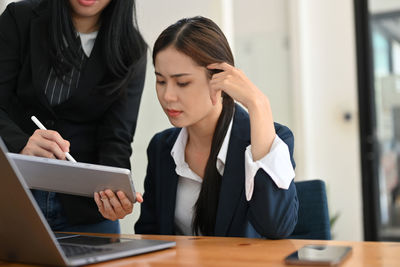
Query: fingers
[[55, 137], [221, 66], [51, 147], [46, 143], [113, 207], [139, 197], [99, 202], [33, 150], [125, 202]]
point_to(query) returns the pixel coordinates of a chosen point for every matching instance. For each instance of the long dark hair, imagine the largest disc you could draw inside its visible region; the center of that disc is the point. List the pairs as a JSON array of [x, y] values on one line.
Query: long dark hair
[[203, 41], [122, 43]]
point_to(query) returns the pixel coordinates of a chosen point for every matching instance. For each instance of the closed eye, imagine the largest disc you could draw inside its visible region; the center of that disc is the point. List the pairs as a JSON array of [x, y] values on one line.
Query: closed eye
[[183, 84], [161, 82]]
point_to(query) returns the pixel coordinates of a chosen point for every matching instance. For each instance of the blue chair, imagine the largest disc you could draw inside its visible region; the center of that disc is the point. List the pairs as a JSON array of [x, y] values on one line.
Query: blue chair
[[313, 216]]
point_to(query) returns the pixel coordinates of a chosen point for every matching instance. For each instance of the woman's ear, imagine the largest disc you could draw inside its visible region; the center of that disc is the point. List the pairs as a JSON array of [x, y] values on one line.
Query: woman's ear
[[215, 96]]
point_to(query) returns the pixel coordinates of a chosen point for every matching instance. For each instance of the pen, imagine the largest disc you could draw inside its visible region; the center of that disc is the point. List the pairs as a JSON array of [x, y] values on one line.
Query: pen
[[41, 126]]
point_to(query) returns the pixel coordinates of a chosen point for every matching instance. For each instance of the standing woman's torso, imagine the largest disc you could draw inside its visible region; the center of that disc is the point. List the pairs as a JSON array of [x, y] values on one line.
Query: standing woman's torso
[[30, 77]]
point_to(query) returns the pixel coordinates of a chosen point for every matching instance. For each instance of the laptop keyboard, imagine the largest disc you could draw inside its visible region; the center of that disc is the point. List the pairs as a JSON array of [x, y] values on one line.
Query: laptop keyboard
[[73, 250]]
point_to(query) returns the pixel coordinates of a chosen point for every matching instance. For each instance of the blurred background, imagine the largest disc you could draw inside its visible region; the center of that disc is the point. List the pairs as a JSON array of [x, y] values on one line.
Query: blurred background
[[331, 70]]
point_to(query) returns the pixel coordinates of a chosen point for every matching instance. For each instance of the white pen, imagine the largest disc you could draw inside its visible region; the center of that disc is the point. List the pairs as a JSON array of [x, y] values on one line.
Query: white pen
[[41, 126]]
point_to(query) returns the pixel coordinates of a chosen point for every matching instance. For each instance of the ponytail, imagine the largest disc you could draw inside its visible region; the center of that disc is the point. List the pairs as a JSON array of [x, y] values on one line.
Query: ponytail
[[206, 206]]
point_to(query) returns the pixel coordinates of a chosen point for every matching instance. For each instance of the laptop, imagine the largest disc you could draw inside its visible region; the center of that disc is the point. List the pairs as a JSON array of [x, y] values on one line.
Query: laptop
[[26, 237]]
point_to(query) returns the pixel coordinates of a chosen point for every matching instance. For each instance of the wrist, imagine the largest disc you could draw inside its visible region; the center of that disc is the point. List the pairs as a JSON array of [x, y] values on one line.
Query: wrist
[[258, 102]]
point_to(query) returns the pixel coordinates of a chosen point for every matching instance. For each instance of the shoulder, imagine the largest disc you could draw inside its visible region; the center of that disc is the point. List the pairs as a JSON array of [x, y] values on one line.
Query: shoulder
[[241, 118], [24, 9], [21, 14], [164, 140], [242, 127]]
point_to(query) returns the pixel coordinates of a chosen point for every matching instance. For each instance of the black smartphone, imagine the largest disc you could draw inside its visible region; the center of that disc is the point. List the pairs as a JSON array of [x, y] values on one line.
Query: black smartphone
[[318, 255]]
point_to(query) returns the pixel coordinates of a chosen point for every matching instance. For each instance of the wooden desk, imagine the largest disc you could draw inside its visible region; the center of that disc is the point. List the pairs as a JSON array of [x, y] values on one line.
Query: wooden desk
[[232, 252]]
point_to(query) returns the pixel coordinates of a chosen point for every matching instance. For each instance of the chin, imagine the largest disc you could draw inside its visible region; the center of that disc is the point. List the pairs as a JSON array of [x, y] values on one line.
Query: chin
[[177, 123]]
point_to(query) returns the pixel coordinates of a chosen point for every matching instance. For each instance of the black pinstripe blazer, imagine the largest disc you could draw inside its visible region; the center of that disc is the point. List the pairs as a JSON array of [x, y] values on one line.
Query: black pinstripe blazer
[[99, 127]]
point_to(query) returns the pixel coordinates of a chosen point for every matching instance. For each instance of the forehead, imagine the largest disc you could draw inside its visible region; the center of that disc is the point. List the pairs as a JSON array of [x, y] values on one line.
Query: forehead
[[170, 61]]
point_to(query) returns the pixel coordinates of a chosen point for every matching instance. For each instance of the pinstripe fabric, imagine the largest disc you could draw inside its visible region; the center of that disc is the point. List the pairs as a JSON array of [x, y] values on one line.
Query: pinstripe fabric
[[58, 90]]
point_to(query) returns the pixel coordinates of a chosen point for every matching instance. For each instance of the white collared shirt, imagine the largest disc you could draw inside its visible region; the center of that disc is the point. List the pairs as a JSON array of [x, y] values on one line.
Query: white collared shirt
[[276, 163], [87, 40]]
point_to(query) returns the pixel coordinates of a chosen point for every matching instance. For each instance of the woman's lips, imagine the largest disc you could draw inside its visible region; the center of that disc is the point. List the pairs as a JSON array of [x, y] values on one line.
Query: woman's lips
[[173, 112], [86, 2]]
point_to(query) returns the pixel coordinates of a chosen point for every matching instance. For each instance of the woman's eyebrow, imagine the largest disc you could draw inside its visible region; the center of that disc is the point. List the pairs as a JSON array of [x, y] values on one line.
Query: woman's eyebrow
[[173, 75]]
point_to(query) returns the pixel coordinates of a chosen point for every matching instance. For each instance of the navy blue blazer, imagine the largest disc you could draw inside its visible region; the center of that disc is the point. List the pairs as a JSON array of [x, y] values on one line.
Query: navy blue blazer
[[271, 211]]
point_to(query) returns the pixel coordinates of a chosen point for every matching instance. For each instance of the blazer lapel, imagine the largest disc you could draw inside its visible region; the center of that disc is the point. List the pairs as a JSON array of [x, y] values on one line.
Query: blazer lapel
[[93, 73], [169, 184], [233, 180], [40, 61]]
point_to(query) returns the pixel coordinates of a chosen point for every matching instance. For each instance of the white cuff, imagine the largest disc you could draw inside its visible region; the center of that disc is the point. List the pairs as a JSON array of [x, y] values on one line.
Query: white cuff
[[276, 163]]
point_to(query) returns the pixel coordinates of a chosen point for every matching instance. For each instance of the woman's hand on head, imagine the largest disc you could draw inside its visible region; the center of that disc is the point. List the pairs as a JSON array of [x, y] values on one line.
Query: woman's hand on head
[[47, 144], [235, 83], [114, 206]]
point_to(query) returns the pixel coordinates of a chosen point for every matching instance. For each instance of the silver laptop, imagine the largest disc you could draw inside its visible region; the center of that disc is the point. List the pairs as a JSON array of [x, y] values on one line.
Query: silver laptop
[[26, 237]]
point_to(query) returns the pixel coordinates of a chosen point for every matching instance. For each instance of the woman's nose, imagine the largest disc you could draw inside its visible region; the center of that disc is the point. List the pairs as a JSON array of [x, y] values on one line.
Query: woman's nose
[[170, 93]]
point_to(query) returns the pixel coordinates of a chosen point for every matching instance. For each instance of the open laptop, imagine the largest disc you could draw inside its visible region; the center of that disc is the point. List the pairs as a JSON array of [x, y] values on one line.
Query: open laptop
[[26, 237]]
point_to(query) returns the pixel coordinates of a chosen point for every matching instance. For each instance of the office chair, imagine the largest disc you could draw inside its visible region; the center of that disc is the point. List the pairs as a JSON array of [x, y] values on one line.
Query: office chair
[[313, 217]]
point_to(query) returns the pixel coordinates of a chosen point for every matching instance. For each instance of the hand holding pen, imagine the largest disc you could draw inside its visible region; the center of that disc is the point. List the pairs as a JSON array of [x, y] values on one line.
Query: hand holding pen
[[47, 143]]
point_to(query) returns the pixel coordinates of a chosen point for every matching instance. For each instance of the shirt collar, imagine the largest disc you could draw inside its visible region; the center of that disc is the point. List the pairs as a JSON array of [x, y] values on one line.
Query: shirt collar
[[221, 157], [178, 154], [87, 40]]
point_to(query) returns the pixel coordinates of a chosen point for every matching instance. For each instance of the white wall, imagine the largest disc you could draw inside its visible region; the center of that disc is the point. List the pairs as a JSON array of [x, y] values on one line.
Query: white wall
[[378, 6], [4, 3], [325, 87], [262, 51]]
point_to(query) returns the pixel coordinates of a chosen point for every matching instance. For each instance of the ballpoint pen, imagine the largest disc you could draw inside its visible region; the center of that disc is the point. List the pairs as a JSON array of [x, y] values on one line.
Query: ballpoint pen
[[41, 126]]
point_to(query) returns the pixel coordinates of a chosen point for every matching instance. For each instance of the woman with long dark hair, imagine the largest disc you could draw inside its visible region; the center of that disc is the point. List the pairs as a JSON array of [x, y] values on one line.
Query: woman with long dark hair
[[222, 170], [79, 67]]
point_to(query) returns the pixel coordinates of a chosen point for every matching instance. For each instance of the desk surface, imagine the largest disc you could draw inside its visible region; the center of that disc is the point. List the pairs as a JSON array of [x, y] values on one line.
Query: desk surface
[[217, 251]]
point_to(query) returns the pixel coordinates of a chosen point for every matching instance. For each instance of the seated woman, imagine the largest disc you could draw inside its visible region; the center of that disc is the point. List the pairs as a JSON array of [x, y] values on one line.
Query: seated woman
[[221, 169]]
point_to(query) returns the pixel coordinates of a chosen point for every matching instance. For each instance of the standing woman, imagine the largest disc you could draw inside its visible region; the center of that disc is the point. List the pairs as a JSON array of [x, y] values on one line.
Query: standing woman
[[79, 66], [222, 170]]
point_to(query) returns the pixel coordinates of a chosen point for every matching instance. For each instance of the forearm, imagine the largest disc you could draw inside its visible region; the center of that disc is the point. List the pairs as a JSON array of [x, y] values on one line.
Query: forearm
[[261, 126]]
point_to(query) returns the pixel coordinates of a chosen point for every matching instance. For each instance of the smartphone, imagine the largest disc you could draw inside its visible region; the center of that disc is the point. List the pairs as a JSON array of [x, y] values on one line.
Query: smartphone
[[318, 255]]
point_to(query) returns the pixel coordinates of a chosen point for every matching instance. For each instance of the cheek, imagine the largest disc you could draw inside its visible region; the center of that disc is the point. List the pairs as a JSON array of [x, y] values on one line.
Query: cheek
[[199, 100], [159, 94]]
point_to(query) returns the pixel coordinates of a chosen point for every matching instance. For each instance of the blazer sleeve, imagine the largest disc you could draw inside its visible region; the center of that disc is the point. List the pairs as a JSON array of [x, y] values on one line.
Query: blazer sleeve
[[148, 223], [10, 65], [273, 211], [116, 131]]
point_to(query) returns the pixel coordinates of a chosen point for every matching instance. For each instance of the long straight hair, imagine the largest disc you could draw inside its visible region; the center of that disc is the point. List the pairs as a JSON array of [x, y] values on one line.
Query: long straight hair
[[122, 44], [203, 41]]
